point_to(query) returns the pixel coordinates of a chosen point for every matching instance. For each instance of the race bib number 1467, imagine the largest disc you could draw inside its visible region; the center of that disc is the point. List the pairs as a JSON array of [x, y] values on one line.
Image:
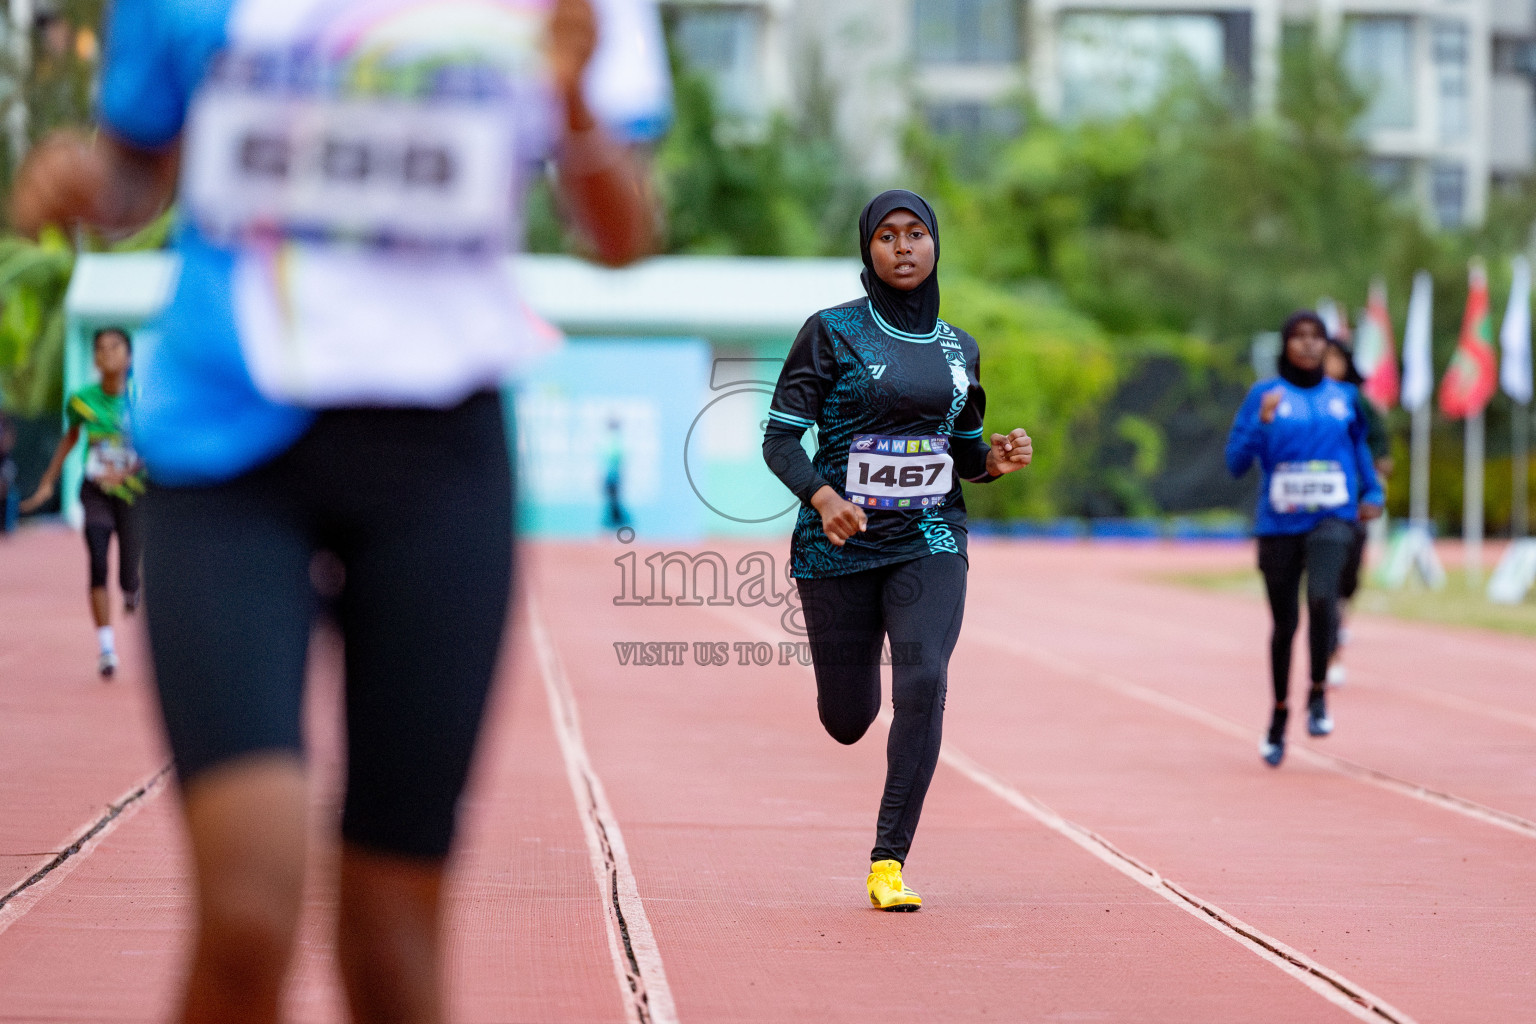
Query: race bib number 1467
[[899, 472]]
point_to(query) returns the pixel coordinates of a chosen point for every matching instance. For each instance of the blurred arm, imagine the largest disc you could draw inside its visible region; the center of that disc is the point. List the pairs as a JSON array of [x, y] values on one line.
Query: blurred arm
[[1244, 441], [1371, 491], [50, 477], [71, 179], [603, 187]]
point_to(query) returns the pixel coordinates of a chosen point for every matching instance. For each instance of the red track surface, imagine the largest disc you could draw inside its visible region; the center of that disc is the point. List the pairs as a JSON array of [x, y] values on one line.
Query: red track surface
[[1128, 707]]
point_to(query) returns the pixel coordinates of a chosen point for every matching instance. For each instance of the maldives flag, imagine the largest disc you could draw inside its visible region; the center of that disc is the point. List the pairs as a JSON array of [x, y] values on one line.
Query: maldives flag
[[1375, 354], [1473, 374]]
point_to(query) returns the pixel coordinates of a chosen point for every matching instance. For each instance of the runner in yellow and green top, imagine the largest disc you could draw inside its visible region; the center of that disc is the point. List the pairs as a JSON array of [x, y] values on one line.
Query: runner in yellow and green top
[[114, 478]]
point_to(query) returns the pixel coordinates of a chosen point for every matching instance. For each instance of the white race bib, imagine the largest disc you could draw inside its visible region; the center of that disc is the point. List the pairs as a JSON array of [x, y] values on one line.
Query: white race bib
[[1308, 487], [898, 472], [417, 161], [370, 195], [108, 458]]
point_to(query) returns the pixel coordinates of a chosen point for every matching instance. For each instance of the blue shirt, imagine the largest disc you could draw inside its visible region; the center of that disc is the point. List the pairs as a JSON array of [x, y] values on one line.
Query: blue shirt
[[1323, 426], [200, 416]]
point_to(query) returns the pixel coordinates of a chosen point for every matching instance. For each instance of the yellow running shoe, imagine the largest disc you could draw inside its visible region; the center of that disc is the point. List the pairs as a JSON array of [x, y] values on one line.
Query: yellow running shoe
[[886, 889]]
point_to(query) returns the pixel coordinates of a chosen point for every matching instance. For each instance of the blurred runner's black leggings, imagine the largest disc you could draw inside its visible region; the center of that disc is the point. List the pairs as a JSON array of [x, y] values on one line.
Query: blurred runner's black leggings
[[416, 505], [106, 514], [1322, 554], [918, 605]]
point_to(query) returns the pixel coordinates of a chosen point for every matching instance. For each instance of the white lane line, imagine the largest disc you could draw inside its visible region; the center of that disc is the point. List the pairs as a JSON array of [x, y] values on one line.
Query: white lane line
[[1332, 986], [30, 891], [636, 957], [1375, 681], [1194, 713]]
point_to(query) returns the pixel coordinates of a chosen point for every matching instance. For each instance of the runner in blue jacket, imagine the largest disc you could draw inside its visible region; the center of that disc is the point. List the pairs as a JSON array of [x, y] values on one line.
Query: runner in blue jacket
[[1317, 479]]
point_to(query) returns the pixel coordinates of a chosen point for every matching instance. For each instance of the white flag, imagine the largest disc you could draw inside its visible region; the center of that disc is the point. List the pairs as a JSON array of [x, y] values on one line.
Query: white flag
[[1418, 371], [1333, 318], [1515, 335]]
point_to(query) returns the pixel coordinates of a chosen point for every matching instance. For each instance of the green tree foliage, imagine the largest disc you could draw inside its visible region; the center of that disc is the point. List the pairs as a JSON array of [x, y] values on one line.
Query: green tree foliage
[[1190, 217], [1046, 367], [33, 279], [1185, 230], [784, 190]]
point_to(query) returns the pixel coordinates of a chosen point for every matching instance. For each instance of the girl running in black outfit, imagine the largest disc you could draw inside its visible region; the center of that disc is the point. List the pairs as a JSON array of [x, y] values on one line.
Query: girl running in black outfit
[[1307, 434], [879, 549], [1339, 364]]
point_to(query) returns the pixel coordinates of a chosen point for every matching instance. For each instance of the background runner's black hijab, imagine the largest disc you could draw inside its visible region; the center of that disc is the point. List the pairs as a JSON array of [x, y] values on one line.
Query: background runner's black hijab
[[916, 311], [1289, 370]]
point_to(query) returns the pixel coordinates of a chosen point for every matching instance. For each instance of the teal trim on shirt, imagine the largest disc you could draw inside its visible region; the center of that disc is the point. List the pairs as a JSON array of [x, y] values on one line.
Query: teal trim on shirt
[[794, 421], [919, 339]]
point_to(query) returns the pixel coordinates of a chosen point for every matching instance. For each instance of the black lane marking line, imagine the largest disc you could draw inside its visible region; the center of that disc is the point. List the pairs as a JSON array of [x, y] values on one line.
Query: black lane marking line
[[1191, 711], [632, 972], [1153, 878], [1428, 794], [1340, 984], [113, 812]]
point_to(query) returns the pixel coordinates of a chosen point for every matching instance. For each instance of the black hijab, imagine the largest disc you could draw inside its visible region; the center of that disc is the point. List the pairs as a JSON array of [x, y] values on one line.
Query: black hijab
[[1289, 370], [916, 311], [1351, 371]]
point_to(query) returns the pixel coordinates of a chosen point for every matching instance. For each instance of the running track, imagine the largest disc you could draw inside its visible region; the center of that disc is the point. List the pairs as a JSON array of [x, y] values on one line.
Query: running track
[[1101, 842]]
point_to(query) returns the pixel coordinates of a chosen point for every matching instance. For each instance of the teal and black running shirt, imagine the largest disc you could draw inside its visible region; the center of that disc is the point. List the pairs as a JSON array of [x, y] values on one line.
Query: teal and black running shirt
[[898, 421]]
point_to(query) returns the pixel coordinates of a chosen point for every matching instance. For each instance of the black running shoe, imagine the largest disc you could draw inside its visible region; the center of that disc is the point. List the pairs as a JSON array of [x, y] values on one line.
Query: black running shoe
[[1318, 722], [1272, 746]]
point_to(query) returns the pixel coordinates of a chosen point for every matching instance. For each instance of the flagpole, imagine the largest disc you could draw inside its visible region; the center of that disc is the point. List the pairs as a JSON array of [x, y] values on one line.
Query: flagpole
[[1520, 428], [1418, 486], [1472, 500], [1516, 571]]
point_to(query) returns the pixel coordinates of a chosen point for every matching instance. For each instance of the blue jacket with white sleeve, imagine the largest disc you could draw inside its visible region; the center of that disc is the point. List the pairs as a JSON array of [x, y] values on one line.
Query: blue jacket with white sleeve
[[1313, 457]]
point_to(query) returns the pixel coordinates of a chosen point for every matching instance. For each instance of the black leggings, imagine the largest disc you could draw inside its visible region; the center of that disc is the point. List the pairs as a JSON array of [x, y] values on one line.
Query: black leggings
[[1322, 554], [1349, 583], [105, 515], [416, 505], [918, 605]]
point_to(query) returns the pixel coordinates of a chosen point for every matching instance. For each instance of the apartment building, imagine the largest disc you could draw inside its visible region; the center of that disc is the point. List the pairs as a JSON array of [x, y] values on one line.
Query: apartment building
[[1451, 111]]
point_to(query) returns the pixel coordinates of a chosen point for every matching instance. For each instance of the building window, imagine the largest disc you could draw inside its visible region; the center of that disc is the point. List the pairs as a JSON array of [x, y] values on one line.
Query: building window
[[1112, 64], [1452, 80], [1514, 56], [967, 31], [972, 121], [1378, 54], [1393, 175], [1448, 193], [723, 44]]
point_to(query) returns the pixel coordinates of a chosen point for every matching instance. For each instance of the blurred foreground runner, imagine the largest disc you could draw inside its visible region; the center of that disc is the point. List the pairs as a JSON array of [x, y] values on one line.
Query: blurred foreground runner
[[326, 379], [1308, 434], [895, 396], [1339, 364], [9, 505], [114, 481]]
